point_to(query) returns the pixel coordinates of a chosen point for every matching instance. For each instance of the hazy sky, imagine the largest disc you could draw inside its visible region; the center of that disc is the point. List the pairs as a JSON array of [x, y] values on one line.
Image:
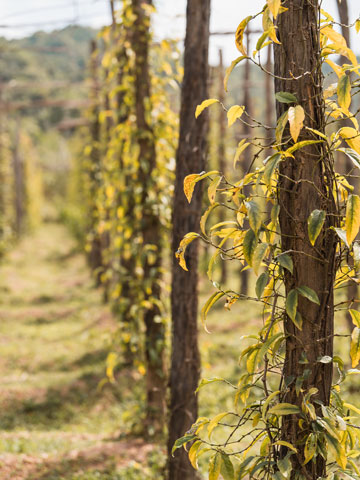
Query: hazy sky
[[22, 17]]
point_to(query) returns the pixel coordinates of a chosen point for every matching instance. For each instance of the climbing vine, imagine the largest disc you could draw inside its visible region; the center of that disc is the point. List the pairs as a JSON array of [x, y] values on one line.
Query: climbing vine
[[249, 441]]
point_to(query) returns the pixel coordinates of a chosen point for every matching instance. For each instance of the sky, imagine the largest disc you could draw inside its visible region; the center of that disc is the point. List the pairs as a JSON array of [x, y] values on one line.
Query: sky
[[19, 18]]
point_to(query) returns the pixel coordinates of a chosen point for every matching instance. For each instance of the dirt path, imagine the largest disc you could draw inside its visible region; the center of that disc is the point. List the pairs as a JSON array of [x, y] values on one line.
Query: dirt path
[[55, 423]]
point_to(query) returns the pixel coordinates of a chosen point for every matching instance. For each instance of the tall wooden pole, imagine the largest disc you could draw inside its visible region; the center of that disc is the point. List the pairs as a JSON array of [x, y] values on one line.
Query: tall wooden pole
[[191, 155]]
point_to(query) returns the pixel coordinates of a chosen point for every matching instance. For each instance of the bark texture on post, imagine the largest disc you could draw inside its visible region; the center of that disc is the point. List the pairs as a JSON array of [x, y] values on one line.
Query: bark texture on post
[[305, 184], [151, 227], [185, 359]]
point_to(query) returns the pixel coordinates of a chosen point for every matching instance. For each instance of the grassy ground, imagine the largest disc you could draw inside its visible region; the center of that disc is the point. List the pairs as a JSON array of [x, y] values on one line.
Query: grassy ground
[[54, 334]]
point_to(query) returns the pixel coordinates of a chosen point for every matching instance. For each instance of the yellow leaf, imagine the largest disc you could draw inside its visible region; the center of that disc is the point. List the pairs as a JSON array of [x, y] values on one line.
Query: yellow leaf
[[274, 7], [344, 91], [334, 36], [205, 104], [357, 26], [234, 113], [193, 453], [230, 69], [268, 26], [180, 254], [240, 148], [352, 137], [355, 347], [239, 35], [296, 120], [205, 217], [212, 189], [335, 67], [215, 421], [310, 447], [189, 185], [330, 90], [352, 219]]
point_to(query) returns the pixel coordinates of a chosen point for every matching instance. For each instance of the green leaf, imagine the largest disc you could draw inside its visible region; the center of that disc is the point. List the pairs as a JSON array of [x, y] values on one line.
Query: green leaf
[[215, 466], [298, 321], [344, 91], [355, 347], [261, 283], [254, 214], [285, 97], [315, 223], [275, 213], [227, 469], [280, 126], [258, 256], [286, 262], [270, 167], [285, 465], [308, 293], [310, 447], [291, 304], [249, 246], [284, 409], [230, 69], [205, 104], [182, 441], [355, 316], [352, 220]]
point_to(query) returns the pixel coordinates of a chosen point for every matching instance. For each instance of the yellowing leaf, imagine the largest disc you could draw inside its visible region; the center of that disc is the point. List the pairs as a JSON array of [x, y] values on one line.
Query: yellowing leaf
[[193, 453], [239, 35], [212, 189], [355, 315], [240, 148], [215, 466], [189, 185], [344, 91], [274, 7], [310, 447], [296, 120], [254, 214], [351, 137], [284, 409], [355, 347], [230, 69], [330, 90], [335, 67], [334, 36], [234, 113], [258, 256], [270, 168], [286, 444], [280, 127], [180, 254], [215, 421], [249, 246], [205, 104], [227, 468], [205, 217], [315, 223], [357, 26], [352, 220], [291, 304], [206, 308]]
